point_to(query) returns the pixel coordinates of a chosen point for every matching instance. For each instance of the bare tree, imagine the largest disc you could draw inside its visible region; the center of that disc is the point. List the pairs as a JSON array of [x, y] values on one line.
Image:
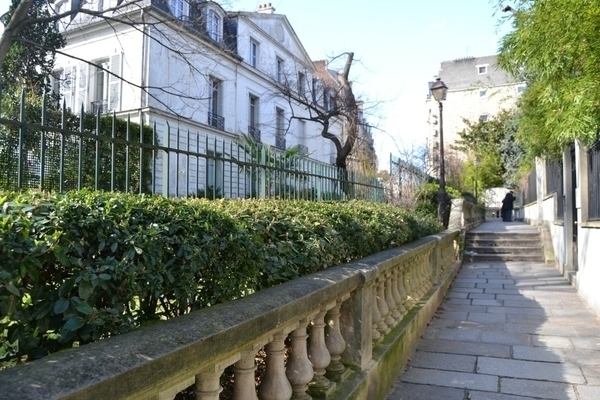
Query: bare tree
[[141, 15], [329, 100]]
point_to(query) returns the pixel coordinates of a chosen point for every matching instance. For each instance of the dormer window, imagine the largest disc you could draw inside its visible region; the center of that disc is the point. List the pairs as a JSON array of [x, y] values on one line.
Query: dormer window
[[482, 69], [179, 8], [214, 26]]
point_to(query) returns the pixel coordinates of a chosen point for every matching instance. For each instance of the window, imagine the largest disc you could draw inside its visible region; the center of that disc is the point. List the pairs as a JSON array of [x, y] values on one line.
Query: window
[[280, 129], [67, 86], [482, 69], [482, 93], [179, 8], [214, 173], [302, 131], [483, 117], [55, 81], [301, 84], [253, 118], [253, 53], [214, 104], [521, 89], [280, 72], [214, 26], [100, 87]]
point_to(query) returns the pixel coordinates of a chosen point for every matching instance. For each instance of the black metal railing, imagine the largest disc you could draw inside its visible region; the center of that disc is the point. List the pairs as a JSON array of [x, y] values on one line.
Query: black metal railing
[[100, 107], [216, 120], [594, 181], [280, 143], [254, 133], [67, 152], [554, 183]]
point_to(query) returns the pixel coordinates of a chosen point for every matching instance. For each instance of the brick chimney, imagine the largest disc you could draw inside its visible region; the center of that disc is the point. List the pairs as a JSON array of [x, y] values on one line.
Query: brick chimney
[[266, 8]]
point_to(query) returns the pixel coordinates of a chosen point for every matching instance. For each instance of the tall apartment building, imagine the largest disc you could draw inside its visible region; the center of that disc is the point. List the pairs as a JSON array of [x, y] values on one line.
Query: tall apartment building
[[478, 89]]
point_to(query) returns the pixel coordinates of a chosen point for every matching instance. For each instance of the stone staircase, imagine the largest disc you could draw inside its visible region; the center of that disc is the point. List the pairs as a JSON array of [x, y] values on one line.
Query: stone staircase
[[504, 246]]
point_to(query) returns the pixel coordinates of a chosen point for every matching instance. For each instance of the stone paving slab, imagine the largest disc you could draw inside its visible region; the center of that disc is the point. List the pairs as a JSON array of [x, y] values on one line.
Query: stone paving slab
[[509, 331], [409, 391], [538, 389], [460, 380]]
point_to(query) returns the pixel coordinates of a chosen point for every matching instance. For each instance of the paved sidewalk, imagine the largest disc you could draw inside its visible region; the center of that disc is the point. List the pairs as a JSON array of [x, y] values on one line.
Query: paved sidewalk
[[506, 331]]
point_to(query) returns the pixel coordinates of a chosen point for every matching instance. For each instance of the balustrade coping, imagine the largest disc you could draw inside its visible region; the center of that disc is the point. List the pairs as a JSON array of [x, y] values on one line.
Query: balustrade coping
[[154, 359]]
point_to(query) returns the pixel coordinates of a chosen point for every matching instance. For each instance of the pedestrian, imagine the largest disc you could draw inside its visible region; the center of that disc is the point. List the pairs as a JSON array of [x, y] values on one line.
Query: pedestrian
[[507, 207]]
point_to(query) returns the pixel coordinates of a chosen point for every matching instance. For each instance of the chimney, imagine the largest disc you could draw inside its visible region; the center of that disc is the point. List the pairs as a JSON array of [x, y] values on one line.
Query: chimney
[[266, 8]]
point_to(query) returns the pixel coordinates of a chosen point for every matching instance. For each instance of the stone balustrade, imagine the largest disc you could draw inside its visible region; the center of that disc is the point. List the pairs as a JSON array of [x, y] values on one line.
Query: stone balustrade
[[342, 333]]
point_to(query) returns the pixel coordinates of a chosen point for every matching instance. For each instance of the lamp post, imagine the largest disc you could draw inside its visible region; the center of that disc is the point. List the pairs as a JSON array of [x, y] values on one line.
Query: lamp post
[[438, 91], [476, 164]]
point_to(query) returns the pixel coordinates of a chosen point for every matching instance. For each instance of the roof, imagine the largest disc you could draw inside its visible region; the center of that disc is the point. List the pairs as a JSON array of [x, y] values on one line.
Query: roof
[[464, 73]]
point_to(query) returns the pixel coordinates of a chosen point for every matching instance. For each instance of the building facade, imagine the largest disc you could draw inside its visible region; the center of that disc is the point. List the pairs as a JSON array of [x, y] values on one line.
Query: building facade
[[203, 77], [478, 89]]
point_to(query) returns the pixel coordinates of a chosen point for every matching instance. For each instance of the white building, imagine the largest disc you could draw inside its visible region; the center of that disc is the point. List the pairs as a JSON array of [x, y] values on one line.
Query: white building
[[192, 67], [478, 89]]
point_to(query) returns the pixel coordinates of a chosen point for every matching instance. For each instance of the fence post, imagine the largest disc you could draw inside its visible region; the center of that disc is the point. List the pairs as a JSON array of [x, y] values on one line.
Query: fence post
[[262, 179], [165, 159]]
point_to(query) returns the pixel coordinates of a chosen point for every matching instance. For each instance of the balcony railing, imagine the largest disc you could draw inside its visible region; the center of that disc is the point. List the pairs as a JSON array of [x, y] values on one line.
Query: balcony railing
[[254, 133], [280, 143], [216, 120], [100, 107]]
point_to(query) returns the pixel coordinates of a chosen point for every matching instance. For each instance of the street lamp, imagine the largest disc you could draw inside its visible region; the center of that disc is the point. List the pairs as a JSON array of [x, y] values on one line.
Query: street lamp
[[438, 91]]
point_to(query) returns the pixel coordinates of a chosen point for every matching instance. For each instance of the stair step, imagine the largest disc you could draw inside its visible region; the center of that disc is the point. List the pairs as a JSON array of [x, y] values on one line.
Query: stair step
[[505, 249], [503, 257], [504, 246]]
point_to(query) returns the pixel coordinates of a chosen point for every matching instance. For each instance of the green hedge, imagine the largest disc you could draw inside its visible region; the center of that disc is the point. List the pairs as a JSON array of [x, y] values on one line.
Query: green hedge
[[84, 265]]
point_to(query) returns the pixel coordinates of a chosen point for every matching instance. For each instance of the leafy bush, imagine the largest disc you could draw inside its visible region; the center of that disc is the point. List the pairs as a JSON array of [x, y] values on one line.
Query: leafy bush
[[427, 198], [85, 265]]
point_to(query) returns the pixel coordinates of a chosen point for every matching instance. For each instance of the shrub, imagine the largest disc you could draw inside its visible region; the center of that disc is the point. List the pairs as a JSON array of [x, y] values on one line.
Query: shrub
[[81, 266]]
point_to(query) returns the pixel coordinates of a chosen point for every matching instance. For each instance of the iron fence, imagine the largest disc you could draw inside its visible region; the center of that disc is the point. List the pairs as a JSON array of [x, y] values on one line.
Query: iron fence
[[554, 183], [593, 154], [64, 151]]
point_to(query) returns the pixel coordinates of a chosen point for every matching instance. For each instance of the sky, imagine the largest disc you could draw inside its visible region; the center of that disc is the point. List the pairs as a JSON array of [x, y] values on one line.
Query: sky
[[398, 47]]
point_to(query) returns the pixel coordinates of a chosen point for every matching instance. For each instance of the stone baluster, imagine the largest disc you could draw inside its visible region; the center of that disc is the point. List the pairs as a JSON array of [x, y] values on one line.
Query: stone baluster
[[427, 270], [318, 355], [393, 316], [401, 288], [399, 310], [244, 383], [376, 317], [382, 326], [418, 279], [409, 282], [419, 276], [275, 385], [335, 344], [299, 370], [208, 385]]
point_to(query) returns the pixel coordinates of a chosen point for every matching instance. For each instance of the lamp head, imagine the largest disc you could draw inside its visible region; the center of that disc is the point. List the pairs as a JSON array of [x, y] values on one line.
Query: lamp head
[[439, 90]]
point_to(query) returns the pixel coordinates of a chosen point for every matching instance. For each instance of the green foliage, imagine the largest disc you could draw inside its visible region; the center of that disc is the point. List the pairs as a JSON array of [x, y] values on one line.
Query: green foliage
[[81, 266], [30, 60], [493, 144], [426, 198], [555, 46]]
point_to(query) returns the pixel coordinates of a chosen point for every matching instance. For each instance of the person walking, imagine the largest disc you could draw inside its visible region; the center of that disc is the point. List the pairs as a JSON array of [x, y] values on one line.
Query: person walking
[[507, 207]]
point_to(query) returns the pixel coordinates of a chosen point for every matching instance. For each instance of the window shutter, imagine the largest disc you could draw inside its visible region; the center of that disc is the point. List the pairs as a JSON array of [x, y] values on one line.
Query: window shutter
[[114, 82], [82, 87]]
